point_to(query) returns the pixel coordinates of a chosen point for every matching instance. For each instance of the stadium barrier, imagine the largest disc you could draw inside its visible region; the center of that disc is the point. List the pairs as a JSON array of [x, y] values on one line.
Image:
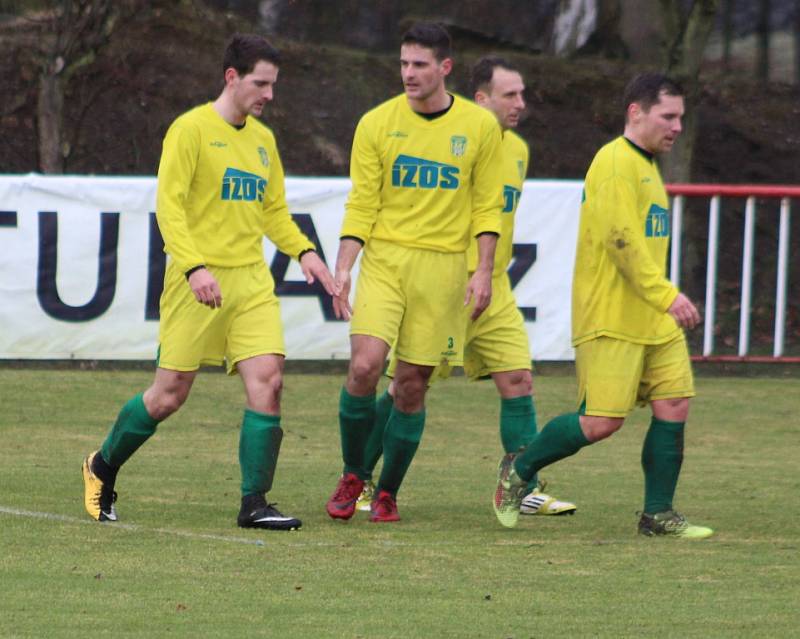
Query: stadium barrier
[[750, 193], [81, 266]]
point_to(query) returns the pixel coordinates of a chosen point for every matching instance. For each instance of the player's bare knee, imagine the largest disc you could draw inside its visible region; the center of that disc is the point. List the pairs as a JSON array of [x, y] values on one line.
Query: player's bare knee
[[271, 386], [511, 384], [161, 403], [596, 428], [522, 383], [364, 373], [409, 398], [409, 390], [673, 409]]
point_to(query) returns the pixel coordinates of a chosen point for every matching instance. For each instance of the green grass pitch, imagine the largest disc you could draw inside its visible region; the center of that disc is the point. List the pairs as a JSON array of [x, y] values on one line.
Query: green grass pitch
[[177, 566]]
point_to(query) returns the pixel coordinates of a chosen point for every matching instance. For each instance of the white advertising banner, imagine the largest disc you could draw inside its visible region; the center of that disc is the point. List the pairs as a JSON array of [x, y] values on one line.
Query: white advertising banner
[[81, 267]]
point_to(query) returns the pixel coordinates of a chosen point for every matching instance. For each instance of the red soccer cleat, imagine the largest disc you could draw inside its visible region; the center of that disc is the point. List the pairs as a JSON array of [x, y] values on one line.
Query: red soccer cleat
[[384, 507], [342, 503]]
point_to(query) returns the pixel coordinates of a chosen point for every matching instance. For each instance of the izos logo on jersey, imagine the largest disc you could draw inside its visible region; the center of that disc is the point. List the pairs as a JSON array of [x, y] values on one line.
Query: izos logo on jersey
[[510, 198], [243, 186], [419, 173], [657, 223]]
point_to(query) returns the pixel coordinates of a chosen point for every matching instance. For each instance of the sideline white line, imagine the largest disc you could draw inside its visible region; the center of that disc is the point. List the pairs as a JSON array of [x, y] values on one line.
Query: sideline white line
[[130, 527]]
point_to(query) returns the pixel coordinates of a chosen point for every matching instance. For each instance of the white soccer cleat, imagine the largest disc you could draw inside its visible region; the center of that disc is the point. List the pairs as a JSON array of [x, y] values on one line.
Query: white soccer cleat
[[539, 503]]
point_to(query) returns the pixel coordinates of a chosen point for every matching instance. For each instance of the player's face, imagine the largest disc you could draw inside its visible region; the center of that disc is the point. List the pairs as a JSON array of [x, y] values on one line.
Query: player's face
[[252, 91], [422, 74], [660, 126], [505, 98]]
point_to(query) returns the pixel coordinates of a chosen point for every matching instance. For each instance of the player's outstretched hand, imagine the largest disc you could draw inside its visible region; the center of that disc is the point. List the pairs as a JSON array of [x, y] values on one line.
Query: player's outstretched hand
[[684, 312], [314, 268], [341, 300], [205, 288], [479, 289]]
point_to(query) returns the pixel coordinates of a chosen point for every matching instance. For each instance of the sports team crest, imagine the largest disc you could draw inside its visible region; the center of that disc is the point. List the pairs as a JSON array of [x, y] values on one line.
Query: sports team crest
[[458, 145], [262, 153]]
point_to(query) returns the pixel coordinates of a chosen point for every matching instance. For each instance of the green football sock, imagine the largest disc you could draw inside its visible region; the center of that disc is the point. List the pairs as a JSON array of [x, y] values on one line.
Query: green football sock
[[662, 456], [133, 427], [374, 446], [356, 418], [400, 443], [259, 445], [518, 426], [561, 437]]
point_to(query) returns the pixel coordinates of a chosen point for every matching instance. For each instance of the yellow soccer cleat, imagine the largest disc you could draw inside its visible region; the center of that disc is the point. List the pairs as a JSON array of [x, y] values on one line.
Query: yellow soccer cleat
[[366, 496], [509, 492], [98, 496]]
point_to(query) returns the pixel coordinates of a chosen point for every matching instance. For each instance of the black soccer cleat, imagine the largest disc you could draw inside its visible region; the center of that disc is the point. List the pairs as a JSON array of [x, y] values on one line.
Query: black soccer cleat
[[257, 513]]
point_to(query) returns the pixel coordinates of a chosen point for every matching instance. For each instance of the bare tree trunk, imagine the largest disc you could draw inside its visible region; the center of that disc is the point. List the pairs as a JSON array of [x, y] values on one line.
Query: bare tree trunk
[[727, 33], [797, 42], [686, 38], [762, 51], [49, 114]]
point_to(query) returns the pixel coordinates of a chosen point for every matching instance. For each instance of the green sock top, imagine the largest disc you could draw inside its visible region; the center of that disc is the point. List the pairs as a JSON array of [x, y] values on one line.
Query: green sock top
[[517, 406]]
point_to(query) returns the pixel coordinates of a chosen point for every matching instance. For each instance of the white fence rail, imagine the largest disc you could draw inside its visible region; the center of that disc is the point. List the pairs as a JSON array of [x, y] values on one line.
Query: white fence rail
[[750, 193]]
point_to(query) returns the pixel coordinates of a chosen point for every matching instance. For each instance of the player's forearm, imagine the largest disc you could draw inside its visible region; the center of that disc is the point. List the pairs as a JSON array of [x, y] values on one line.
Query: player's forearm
[[487, 245], [642, 274], [284, 233], [348, 252]]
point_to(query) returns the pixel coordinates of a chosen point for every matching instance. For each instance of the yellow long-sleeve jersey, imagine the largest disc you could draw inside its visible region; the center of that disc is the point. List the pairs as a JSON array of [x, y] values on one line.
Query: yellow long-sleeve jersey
[[515, 168], [220, 190], [425, 183], [619, 286]]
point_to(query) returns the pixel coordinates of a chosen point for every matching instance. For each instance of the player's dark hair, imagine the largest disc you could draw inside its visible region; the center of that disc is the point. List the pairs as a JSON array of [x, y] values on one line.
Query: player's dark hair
[[431, 36], [646, 89], [245, 50], [483, 72]]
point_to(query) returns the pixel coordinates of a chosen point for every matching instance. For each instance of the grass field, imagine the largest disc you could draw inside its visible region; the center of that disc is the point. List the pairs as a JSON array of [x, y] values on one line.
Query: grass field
[[176, 565]]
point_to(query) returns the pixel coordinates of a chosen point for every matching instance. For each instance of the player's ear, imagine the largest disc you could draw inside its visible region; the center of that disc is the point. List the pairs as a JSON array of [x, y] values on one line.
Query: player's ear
[[231, 75], [482, 98], [446, 65], [633, 112]]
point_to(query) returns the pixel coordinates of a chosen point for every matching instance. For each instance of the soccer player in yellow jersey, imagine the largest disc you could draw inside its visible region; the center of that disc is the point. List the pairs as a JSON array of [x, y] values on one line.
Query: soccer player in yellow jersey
[[496, 344], [426, 174], [627, 318], [220, 191]]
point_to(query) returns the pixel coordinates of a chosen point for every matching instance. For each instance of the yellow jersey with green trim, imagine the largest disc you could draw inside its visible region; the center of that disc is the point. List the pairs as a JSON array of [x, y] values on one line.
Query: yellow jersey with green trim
[[220, 190], [515, 168], [422, 183], [619, 287]]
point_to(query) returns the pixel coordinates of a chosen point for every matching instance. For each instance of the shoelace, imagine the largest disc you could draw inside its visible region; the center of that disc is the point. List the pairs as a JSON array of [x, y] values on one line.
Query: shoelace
[[676, 522]]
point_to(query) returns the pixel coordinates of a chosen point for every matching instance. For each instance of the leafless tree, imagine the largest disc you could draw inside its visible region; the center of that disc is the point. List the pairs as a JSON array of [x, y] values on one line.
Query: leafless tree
[[727, 32], [686, 34], [70, 35], [762, 49], [797, 41]]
